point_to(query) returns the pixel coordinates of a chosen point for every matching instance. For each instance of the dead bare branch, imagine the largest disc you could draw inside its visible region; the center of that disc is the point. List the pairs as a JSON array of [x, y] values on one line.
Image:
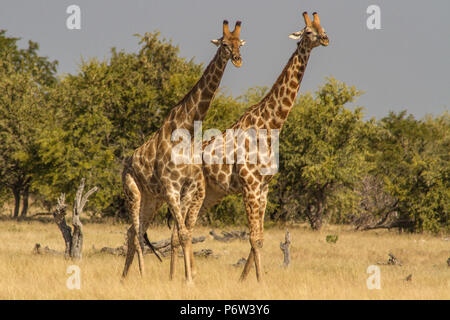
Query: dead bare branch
[[285, 248], [73, 238]]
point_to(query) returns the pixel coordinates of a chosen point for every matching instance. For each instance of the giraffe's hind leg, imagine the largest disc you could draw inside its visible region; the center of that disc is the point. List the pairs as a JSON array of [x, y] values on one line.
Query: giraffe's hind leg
[[175, 247], [135, 240], [131, 250]]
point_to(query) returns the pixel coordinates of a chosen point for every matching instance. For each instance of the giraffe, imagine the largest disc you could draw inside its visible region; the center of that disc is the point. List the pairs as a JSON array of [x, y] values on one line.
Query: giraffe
[[150, 177], [269, 114]]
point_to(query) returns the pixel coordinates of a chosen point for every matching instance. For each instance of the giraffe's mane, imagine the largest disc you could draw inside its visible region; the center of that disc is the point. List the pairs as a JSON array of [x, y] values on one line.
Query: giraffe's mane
[[275, 85], [252, 108], [267, 96], [185, 99]]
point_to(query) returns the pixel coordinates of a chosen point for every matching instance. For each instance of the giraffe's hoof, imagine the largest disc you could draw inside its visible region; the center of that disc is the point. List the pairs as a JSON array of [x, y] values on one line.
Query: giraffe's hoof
[[190, 283]]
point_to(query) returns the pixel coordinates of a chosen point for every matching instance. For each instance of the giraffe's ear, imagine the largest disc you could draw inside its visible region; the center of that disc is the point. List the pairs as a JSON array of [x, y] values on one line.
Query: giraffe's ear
[[296, 35], [216, 42], [242, 42]]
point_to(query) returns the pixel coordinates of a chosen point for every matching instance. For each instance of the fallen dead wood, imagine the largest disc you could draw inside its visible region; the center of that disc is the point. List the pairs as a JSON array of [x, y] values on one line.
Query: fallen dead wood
[[120, 251], [401, 224], [240, 262], [205, 253], [230, 236], [39, 250], [389, 221], [166, 242], [163, 247], [393, 261]]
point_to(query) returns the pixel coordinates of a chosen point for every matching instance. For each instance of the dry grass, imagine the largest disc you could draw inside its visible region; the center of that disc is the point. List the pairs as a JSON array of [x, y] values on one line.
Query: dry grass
[[319, 270]]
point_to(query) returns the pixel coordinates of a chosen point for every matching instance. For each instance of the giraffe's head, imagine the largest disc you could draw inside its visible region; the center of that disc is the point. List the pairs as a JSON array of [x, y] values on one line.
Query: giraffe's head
[[313, 32], [231, 43]]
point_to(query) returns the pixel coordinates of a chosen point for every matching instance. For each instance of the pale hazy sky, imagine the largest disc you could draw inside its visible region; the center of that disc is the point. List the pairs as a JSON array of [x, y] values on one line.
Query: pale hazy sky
[[405, 65]]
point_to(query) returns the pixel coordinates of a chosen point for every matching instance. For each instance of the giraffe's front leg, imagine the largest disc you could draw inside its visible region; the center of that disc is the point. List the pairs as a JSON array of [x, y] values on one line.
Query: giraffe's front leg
[[196, 202], [173, 201], [191, 202], [175, 241], [252, 207], [262, 210], [248, 264]]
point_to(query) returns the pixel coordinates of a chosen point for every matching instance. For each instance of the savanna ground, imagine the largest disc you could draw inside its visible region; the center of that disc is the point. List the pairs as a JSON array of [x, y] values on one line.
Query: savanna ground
[[319, 270]]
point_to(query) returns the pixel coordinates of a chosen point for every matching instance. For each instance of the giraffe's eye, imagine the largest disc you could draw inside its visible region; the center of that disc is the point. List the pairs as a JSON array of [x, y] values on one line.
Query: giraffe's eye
[[308, 32]]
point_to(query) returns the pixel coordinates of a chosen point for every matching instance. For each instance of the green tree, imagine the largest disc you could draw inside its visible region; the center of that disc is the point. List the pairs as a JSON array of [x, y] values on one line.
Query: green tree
[[25, 78], [412, 160], [321, 157], [104, 112]]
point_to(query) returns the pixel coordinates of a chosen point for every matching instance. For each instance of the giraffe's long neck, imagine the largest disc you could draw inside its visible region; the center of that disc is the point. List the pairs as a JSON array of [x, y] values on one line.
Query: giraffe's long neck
[[278, 102], [196, 103]]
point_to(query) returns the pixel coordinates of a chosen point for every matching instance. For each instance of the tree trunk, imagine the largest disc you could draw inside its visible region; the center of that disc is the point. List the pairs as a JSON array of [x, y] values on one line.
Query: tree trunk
[[77, 236], [25, 195], [316, 223], [16, 193], [73, 238], [60, 219], [315, 216]]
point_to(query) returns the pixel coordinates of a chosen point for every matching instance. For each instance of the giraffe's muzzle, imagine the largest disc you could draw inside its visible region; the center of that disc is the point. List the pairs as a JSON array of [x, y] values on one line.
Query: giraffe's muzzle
[[237, 61], [324, 41]]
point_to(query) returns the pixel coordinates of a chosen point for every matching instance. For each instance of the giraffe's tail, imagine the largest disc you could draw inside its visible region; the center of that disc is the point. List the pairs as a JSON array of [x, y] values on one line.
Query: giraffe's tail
[[169, 218], [147, 242]]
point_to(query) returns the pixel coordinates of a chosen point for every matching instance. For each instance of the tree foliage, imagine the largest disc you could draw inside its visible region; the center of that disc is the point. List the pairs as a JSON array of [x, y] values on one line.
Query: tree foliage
[[25, 79], [104, 112], [321, 157], [335, 166], [412, 160]]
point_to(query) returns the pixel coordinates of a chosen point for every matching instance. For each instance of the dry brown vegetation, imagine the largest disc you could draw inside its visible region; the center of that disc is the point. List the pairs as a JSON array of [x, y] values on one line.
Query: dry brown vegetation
[[319, 270]]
